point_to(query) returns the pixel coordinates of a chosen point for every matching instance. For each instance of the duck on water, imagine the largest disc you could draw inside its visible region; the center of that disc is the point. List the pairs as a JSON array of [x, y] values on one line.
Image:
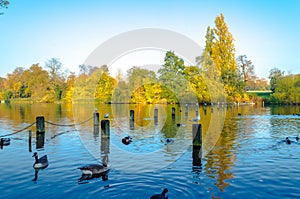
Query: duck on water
[[94, 169], [40, 163], [161, 196]]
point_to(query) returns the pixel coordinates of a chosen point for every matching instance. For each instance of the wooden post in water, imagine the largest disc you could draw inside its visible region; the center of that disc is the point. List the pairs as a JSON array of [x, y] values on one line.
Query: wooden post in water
[[197, 144], [155, 116], [40, 132], [40, 124], [29, 140], [105, 129], [105, 140], [173, 112], [96, 122]]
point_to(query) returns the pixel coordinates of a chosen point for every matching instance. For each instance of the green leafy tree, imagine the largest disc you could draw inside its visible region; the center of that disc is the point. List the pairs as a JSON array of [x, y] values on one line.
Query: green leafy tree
[[274, 76], [57, 78], [287, 90], [172, 76]]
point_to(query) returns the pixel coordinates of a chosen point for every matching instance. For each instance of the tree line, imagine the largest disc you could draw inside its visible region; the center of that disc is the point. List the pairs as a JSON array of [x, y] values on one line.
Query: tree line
[[218, 76], [285, 88]]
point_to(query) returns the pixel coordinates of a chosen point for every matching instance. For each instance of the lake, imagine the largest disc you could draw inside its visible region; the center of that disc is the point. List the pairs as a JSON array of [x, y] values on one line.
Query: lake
[[244, 153]]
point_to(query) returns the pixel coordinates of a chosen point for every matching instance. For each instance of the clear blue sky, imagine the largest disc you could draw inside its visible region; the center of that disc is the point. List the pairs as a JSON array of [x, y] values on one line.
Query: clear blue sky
[[34, 31]]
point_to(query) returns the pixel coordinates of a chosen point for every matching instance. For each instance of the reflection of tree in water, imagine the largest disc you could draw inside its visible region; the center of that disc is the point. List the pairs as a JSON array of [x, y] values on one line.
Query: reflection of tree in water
[[221, 158], [170, 129]]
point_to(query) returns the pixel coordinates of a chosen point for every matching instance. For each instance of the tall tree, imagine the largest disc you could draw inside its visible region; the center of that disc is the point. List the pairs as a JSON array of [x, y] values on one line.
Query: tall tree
[[209, 71], [246, 69], [274, 76], [173, 77], [223, 56], [57, 79]]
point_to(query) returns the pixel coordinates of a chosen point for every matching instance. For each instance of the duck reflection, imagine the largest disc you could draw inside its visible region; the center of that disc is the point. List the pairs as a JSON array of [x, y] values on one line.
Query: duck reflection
[[4, 142], [36, 173], [84, 177], [94, 171]]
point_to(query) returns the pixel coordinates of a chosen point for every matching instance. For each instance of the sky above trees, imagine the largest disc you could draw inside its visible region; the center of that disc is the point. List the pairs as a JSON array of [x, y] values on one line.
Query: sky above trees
[[35, 31]]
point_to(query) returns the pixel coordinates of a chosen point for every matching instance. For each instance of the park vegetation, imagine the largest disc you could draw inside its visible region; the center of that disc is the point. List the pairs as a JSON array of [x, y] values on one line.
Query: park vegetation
[[218, 76], [285, 88]]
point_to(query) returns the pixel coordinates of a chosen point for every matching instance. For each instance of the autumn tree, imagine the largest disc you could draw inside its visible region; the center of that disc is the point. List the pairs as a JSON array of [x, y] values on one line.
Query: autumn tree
[[68, 97], [197, 84], [105, 86], [16, 84], [38, 82], [223, 57], [140, 82], [211, 75]]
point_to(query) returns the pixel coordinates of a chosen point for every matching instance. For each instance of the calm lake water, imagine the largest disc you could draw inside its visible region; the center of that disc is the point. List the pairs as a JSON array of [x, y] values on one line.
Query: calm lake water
[[244, 155]]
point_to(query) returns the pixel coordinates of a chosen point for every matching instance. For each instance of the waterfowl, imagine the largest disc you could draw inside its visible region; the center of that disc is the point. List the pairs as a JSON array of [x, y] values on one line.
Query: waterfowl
[[161, 196], [196, 119], [288, 141], [106, 115], [297, 138], [126, 140], [5, 141], [169, 140], [94, 169], [40, 163]]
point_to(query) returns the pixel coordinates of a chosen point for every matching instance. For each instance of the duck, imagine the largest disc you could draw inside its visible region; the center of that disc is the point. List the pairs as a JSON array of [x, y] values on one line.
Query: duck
[[40, 163], [196, 119], [169, 140], [94, 169], [106, 115], [5, 141], [297, 138], [161, 196], [288, 141], [127, 140]]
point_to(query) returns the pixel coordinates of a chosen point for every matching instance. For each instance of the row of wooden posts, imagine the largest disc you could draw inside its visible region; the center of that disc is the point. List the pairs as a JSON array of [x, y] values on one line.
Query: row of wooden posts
[[105, 132]]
